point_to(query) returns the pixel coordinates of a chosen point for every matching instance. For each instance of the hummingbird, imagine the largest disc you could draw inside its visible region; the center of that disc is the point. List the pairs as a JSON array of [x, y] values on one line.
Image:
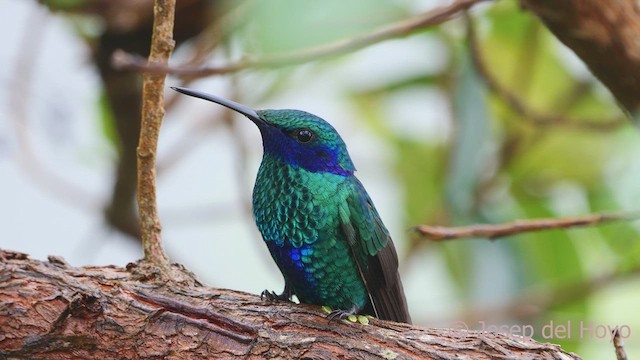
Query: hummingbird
[[317, 220]]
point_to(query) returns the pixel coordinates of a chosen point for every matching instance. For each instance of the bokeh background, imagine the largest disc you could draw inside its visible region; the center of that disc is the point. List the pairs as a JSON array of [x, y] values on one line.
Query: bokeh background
[[483, 119]]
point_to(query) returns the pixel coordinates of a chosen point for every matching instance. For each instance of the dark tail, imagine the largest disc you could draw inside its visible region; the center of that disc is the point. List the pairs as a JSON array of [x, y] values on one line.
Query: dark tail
[[385, 286]]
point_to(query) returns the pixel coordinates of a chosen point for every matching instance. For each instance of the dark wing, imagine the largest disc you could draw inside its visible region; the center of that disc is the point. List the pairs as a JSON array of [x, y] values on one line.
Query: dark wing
[[375, 254]]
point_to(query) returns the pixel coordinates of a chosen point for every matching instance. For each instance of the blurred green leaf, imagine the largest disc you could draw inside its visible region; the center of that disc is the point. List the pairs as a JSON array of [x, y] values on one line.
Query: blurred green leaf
[[286, 25], [562, 155], [469, 153], [107, 121], [64, 4], [621, 237], [549, 256], [523, 57]]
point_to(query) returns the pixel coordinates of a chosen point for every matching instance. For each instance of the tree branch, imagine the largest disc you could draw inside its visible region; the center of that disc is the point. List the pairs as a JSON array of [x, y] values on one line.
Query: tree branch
[[604, 34], [48, 309], [403, 28], [162, 45], [494, 231], [621, 354]]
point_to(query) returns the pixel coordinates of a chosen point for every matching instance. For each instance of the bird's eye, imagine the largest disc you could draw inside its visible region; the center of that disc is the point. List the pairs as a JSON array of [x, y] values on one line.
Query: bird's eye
[[304, 135]]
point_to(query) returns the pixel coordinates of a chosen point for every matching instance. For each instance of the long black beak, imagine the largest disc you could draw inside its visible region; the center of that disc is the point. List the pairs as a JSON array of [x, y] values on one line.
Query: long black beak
[[244, 110]]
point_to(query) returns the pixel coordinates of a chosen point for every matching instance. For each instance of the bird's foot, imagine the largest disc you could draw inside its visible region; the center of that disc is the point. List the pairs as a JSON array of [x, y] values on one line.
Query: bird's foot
[[272, 296], [350, 315]]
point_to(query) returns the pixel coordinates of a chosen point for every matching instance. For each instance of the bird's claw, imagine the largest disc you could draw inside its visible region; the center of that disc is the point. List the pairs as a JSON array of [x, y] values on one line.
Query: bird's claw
[[272, 296], [269, 295], [340, 314]]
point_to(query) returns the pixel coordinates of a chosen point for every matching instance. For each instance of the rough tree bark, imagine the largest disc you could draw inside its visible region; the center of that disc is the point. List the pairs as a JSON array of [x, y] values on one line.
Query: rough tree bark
[[50, 310], [605, 34]]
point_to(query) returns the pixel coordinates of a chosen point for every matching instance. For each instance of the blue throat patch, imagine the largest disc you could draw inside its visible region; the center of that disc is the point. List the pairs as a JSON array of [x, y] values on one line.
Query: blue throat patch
[[313, 158]]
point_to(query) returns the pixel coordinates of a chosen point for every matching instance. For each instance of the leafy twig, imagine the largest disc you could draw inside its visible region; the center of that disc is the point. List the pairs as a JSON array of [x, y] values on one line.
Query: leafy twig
[[494, 231], [406, 27], [162, 45]]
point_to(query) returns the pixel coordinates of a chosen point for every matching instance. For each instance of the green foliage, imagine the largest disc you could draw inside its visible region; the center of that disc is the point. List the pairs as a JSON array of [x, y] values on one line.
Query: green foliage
[[107, 122], [468, 160], [285, 25], [65, 5], [500, 165]]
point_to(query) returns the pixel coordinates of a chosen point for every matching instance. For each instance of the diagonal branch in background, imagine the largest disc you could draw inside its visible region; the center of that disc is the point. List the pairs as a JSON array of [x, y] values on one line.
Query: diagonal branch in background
[[403, 28], [538, 300], [494, 231], [162, 45], [520, 106]]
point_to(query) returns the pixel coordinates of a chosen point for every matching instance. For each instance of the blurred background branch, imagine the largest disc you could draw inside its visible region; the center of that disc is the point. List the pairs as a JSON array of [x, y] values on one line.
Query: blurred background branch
[[125, 61], [495, 231], [536, 301]]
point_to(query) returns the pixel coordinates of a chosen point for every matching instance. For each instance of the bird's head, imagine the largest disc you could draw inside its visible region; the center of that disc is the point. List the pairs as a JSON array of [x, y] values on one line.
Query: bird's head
[[298, 138]]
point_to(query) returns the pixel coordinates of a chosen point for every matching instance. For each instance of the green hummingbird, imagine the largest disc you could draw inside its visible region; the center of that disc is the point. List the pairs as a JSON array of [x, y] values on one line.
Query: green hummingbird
[[317, 220]]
